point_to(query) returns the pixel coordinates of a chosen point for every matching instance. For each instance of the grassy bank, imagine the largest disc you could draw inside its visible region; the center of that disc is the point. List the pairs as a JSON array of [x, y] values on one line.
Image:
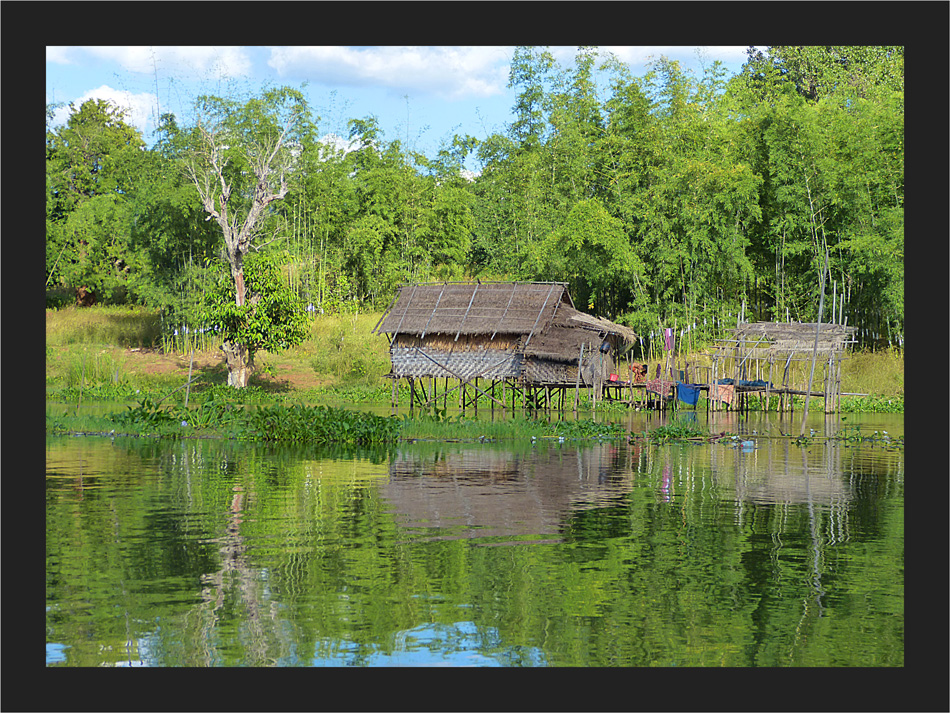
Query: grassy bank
[[113, 354]]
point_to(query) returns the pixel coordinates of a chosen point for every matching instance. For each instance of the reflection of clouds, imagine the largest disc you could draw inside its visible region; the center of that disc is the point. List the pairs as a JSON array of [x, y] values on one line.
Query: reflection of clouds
[[462, 643], [480, 491]]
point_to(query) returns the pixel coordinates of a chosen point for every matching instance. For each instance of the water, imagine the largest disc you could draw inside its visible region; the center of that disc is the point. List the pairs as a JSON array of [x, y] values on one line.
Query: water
[[214, 553]]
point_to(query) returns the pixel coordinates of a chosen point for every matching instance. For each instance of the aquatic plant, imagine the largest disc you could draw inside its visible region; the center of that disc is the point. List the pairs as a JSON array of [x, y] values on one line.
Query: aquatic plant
[[313, 424], [318, 424], [852, 434], [679, 430]]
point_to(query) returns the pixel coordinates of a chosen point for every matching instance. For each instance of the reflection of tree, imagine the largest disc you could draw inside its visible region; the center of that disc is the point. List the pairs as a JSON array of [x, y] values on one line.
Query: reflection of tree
[[237, 574], [754, 559]]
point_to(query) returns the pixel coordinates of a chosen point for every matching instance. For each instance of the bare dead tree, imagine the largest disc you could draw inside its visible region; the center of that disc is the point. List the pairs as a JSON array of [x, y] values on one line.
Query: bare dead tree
[[236, 209]]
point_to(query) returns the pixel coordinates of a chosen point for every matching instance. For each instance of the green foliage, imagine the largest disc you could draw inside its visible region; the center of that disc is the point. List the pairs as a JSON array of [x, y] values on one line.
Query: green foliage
[[678, 430], [590, 252], [93, 165], [872, 404], [311, 424], [319, 424], [272, 318], [853, 434], [675, 197]]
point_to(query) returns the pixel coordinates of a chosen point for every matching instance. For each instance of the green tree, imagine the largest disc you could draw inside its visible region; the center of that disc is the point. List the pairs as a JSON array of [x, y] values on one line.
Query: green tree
[[241, 160], [590, 251], [170, 231], [272, 318], [93, 164], [833, 171]]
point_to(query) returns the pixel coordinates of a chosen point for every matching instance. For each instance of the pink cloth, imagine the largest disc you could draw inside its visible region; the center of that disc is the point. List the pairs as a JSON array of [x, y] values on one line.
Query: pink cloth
[[722, 392]]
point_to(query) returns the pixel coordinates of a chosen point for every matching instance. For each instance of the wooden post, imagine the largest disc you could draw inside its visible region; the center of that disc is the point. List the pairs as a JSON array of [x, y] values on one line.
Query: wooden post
[[838, 389], [821, 307], [190, 364], [577, 381]]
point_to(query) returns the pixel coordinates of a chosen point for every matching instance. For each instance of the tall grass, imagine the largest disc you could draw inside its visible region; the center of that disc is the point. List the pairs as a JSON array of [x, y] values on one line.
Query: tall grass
[[90, 368], [108, 325], [878, 373], [343, 348]]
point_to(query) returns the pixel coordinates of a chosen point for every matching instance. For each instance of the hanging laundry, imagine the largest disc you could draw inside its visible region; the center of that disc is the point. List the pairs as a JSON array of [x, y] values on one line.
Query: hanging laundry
[[687, 393], [668, 339], [722, 392], [660, 387], [757, 384]]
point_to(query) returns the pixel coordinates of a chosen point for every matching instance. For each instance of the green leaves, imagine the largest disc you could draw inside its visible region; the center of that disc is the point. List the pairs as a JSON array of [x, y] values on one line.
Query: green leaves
[[272, 318], [590, 250], [319, 424], [311, 424], [93, 166]]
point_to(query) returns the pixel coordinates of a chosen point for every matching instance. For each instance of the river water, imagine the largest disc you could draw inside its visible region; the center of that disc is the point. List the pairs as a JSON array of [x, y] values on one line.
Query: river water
[[218, 553]]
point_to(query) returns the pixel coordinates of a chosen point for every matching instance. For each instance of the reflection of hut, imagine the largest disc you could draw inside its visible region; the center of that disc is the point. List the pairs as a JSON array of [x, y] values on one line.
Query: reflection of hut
[[526, 335], [760, 353], [485, 492], [778, 472]]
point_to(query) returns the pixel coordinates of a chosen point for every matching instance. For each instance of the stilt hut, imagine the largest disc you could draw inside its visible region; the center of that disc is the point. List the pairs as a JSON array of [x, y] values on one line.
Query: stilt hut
[[526, 336], [774, 359]]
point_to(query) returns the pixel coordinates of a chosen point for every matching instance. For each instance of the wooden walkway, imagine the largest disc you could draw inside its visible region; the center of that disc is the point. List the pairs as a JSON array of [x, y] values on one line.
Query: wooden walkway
[[501, 395]]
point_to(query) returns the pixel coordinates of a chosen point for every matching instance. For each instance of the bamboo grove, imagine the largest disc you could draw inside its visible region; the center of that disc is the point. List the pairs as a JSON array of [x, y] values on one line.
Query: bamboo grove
[[672, 198]]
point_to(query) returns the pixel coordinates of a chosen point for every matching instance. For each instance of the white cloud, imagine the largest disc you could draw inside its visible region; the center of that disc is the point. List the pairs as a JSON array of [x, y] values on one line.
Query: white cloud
[[58, 55], [139, 108], [448, 72], [339, 144], [638, 57], [218, 61]]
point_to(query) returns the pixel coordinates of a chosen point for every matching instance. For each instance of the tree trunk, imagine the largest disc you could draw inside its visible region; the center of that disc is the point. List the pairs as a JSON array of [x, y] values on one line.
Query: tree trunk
[[236, 356]]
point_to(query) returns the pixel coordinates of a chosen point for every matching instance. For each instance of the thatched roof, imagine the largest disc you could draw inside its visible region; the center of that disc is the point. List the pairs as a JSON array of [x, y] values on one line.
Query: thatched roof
[[766, 338], [504, 308]]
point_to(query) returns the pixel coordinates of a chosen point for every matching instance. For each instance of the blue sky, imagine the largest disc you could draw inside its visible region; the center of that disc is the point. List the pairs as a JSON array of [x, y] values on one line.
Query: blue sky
[[422, 95]]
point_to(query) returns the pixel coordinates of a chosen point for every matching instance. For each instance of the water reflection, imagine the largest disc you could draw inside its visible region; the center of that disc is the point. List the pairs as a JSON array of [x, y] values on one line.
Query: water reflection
[[459, 644], [491, 492], [227, 554]]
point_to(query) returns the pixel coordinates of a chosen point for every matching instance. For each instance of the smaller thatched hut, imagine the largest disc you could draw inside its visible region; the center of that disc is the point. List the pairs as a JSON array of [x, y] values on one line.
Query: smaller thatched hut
[[529, 333], [759, 352]]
